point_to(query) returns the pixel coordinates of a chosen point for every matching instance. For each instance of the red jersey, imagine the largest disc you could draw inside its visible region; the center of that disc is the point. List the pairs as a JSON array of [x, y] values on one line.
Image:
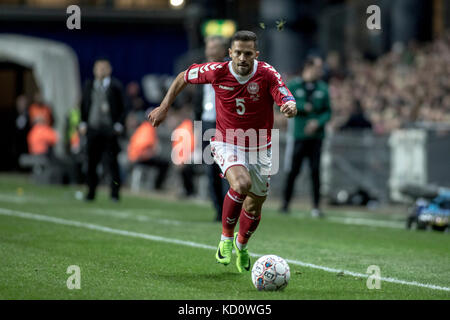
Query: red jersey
[[242, 102]]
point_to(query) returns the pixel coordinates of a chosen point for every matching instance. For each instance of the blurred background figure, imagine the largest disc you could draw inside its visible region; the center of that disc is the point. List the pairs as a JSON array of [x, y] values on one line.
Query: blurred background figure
[[38, 109], [73, 141], [183, 146], [216, 50], [333, 67], [357, 119], [41, 138], [314, 111], [135, 107], [22, 127], [75, 145], [134, 100], [143, 150], [102, 116]]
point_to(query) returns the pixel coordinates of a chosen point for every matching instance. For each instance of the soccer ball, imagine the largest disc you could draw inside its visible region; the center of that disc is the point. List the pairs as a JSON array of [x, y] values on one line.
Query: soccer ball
[[270, 273]]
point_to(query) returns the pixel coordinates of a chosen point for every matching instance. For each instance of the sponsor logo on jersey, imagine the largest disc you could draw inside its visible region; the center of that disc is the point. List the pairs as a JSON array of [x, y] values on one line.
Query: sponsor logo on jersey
[[193, 74], [253, 88], [226, 88]]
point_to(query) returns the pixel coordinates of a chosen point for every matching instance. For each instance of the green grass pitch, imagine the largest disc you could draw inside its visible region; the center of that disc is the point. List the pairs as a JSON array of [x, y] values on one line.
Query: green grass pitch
[[127, 250]]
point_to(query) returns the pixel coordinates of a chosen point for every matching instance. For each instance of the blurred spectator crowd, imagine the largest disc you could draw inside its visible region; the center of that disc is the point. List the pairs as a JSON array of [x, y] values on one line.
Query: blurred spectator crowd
[[407, 85]]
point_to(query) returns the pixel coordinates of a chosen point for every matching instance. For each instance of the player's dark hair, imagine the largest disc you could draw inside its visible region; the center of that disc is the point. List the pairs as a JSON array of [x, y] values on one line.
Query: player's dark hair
[[245, 35]]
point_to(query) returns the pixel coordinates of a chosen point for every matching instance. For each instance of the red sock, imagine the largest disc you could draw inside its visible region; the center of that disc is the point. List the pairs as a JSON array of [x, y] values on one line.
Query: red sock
[[247, 225], [232, 205]]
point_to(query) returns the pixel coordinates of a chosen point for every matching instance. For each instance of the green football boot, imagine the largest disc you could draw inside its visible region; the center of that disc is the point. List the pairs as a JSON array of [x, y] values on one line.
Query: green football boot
[[223, 254], [243, 258]]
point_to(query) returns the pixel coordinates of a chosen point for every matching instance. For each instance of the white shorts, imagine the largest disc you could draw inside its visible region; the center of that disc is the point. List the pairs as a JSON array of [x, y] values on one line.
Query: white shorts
[[258, 163]]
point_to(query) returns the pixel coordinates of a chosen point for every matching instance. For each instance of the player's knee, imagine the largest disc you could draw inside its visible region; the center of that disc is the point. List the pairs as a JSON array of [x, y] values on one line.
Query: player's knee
[[253, 204], [242, 185], [253, 208]]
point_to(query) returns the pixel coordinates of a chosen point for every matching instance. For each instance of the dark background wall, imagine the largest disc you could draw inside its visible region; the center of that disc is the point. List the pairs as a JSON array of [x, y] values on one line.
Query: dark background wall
[[133, 49]]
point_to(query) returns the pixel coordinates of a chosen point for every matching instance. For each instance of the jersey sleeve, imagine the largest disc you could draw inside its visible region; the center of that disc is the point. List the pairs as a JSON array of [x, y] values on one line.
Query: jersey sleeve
[[279, 91], [202, 73]]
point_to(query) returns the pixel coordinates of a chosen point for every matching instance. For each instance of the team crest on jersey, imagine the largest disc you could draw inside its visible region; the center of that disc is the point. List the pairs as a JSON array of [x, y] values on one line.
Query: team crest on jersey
[[253, 88]]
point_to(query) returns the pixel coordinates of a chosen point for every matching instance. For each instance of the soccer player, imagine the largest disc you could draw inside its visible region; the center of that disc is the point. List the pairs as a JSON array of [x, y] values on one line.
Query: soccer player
[[245, 92]]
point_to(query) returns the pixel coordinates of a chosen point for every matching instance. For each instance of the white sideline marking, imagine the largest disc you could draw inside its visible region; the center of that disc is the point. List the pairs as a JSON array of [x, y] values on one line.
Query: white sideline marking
[[368, 222], [12, 198], [19, 199], [128, 215], [39, 217], [342, 220]]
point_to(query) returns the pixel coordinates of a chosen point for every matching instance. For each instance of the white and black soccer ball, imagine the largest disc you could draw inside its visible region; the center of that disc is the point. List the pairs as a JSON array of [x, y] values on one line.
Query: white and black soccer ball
[[270, 273]]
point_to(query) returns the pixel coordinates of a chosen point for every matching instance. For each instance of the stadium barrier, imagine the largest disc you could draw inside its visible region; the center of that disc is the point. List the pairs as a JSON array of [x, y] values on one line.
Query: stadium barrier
[[377, 166], [355, 163]]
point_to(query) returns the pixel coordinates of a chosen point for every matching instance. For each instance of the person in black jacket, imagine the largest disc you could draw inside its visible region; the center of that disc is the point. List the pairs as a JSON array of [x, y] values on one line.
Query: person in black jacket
[[102, 117], [357, 119]]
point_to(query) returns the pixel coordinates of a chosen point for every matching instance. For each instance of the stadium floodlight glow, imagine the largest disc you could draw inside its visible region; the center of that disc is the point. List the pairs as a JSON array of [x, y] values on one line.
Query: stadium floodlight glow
[[223, 27], [176, 3]]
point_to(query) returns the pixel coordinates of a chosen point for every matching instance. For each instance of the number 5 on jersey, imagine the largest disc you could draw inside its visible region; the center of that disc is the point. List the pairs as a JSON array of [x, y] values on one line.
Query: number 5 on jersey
[[240, 107]]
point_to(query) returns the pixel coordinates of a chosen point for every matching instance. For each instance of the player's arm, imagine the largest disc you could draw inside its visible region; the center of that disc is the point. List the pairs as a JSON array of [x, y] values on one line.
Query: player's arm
[[281, 94], [159, 114], [195, 74]]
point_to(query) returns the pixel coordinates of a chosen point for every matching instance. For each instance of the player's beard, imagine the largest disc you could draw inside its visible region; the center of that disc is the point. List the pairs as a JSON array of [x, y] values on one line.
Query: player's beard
[[243, 70]]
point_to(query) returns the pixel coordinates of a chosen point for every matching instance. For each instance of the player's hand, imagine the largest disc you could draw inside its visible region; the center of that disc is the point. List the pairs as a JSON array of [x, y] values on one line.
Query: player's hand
[[289, 109], [311, 126], [157, 116]]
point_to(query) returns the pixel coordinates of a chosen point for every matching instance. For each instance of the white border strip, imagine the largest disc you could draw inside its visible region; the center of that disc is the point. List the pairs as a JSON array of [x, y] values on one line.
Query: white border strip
[[33, 216]]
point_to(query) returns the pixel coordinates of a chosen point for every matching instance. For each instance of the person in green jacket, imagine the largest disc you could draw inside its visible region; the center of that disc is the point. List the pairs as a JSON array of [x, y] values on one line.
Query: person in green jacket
[[313, 105]]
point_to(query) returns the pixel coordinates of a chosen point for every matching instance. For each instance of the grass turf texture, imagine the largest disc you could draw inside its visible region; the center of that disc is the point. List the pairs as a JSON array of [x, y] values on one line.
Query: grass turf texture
[[35, 254]]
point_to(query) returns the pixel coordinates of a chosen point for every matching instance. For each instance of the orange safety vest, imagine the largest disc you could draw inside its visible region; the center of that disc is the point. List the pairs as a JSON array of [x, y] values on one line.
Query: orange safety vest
[[40, 111], [40, 138], [179, 156], [142, 143]]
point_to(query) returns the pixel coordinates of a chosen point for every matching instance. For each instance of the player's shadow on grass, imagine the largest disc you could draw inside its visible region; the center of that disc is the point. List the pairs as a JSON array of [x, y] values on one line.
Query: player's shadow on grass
[[199, 278], [220, 276]]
